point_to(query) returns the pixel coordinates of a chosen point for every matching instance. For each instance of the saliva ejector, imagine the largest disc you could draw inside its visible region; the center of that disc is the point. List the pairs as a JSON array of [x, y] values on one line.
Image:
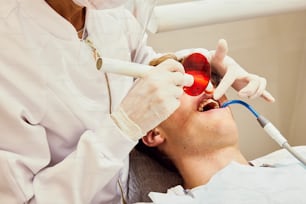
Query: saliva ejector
[[269, 128]]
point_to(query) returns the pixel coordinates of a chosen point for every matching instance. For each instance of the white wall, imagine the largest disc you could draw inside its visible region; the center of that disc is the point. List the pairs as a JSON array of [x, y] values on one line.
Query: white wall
[[298, 122], [274, 47]]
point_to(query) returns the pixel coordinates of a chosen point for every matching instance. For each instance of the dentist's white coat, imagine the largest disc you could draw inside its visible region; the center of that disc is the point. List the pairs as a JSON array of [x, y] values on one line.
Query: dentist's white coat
[[58, 144]]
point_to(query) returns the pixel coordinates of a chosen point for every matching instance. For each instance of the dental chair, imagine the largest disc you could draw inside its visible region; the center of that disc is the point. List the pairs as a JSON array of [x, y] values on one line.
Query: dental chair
[[146, 175]]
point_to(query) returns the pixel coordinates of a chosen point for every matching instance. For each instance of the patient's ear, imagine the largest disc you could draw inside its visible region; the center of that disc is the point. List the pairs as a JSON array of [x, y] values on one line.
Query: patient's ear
[[153, 138]]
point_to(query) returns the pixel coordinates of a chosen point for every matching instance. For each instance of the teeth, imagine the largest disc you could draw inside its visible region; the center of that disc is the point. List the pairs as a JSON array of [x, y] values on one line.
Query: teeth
[[208, 105]]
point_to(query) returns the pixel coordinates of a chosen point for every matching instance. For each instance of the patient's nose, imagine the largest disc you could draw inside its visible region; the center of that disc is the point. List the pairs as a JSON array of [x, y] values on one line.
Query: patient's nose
[[209, 89]]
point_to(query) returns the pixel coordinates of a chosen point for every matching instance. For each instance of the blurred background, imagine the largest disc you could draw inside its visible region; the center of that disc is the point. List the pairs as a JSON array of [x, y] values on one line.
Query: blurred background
[[272, 46]]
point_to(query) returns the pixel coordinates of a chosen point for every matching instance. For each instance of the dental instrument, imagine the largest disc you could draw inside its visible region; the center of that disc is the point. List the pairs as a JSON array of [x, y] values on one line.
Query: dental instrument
[[195, 64], [269, 128], [198, 66]]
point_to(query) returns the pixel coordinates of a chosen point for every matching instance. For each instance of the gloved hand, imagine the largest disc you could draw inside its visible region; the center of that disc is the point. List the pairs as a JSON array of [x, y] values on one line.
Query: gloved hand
[[152, 99], [248, 85]]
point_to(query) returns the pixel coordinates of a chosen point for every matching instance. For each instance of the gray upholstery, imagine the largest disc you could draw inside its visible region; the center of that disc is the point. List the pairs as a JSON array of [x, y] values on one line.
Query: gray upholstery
[[146, 175]]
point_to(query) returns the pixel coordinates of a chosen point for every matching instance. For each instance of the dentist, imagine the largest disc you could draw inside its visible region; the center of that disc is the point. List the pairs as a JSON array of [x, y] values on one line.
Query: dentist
[[66, 128]]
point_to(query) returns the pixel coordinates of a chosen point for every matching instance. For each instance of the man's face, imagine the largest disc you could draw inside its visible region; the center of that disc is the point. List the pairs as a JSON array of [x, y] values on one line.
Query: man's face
[[191, 130]]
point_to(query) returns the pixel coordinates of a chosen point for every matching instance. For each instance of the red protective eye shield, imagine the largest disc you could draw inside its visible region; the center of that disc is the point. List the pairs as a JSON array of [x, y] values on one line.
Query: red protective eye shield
[[198, 66]]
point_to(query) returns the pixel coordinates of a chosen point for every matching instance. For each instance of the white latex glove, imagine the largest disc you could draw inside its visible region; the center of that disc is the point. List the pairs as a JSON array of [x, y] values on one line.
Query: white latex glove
[[152, 99], [248, 85]]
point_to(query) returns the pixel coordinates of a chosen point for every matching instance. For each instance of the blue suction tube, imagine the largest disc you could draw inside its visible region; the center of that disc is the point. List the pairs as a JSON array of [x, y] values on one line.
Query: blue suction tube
[[269, 128], [230, 102]]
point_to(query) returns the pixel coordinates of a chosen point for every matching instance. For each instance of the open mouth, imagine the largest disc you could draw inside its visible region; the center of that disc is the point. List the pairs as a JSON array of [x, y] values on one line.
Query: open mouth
[[208, 104]]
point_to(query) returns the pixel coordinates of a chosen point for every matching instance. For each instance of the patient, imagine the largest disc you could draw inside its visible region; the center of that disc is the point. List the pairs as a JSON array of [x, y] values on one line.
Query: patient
[[201, 140]]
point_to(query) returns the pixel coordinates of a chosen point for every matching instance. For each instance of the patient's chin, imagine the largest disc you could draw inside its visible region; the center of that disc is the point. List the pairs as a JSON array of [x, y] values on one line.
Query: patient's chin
[[227, 128]]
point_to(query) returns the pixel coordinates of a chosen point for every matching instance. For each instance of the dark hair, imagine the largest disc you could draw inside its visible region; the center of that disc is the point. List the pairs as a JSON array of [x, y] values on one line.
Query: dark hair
[[215, 78], [157, 155]]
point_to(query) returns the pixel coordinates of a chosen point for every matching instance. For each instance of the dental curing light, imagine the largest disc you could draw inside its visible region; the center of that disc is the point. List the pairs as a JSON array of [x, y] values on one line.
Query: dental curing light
[[195, 64], [269, 128], [198, 66]]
